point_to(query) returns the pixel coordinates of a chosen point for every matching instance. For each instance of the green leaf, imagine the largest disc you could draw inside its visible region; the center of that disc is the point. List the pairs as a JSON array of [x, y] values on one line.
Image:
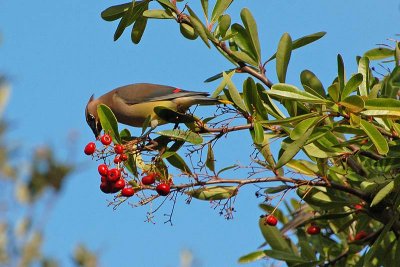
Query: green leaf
[[303, 167], [305, 40], [285, 256], [172, 116], [341, 72], [277, 189], [210, 162], [226, 168], [283, 56], [352, 85], [353, 103], [299, 130], [204, 5], [386, 190], [198, 26], [115, 12], [157, 14], [243, 41], [309, 80], [252, 100], [334, 92], [177, 161], [253, 256], [290, 120], [251, 28], [167, 4], [244, 57], [292, 149], [108, 122], [222, 85], [287, 91], [269, 104], [124, 22], [224, 22], [258, 133], [187, 136], [363, 68], [273, 237], [138, 29], [382, 104], [234, 93], [220, 7], [375, 136], [213, 192], [379, 53]]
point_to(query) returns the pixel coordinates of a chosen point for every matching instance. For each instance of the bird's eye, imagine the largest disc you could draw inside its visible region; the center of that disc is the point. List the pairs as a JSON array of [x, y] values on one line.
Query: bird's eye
[[90, 118]]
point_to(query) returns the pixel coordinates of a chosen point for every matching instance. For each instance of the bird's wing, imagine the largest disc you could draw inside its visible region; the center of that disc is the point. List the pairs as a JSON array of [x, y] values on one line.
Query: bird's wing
[[145, 92]]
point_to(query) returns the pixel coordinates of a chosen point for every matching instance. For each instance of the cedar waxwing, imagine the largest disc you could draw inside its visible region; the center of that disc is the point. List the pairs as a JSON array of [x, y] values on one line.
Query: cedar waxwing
[[133, 104]]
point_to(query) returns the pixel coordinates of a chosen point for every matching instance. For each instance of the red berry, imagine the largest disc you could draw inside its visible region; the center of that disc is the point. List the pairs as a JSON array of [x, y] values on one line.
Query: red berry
[[271, 220], [105, 187], [119, 149], [127, 192], [149, 178], [163, 189], [103, 179], [103, 169], [360, 235], [313, 230], [117, 159], [358, 207], [119, 184], [90, 148], [123, 157], [106, 139], [113, 175]]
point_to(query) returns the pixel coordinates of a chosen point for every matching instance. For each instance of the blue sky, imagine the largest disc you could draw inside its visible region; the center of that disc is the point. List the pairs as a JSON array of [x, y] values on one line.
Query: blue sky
[[56, 54]]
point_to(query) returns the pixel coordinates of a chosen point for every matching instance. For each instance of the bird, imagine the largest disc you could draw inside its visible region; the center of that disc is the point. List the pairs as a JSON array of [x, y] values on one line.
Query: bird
[[133, 104]]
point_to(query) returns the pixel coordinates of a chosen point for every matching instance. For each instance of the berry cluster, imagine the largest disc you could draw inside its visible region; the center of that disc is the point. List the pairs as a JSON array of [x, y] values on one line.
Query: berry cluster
[[113, 178]]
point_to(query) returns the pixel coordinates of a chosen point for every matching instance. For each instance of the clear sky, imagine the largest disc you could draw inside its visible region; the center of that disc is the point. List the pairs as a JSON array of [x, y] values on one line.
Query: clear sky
[[57, 53]]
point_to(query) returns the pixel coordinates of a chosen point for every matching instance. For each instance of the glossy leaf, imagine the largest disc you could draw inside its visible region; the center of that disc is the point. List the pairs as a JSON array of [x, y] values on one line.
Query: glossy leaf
[[283, 54], [386, 190], [223, 82], [224, 22], [273, 237], [353, 103], [213, 192], [376, 137], [303, 167], [167, 4], [334, 92], [220, 7], [251, 28], [277, 189], [286, 91], [108, 122], [204, 5], [252, 100], [243, 57], [187, 136], [124, 22], [198, 26], [299, 130], [341, 72], [290, 120], [285, 256], [272, 108], [234, 93], [258, 136], [363, 68], [210, 161], [293, 148], [138, 29], [157, 14], [178, 162], [243, 41], [115, 12], [305, 40], [253, 256], [352, 85], [309, 80], [379, 53]]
